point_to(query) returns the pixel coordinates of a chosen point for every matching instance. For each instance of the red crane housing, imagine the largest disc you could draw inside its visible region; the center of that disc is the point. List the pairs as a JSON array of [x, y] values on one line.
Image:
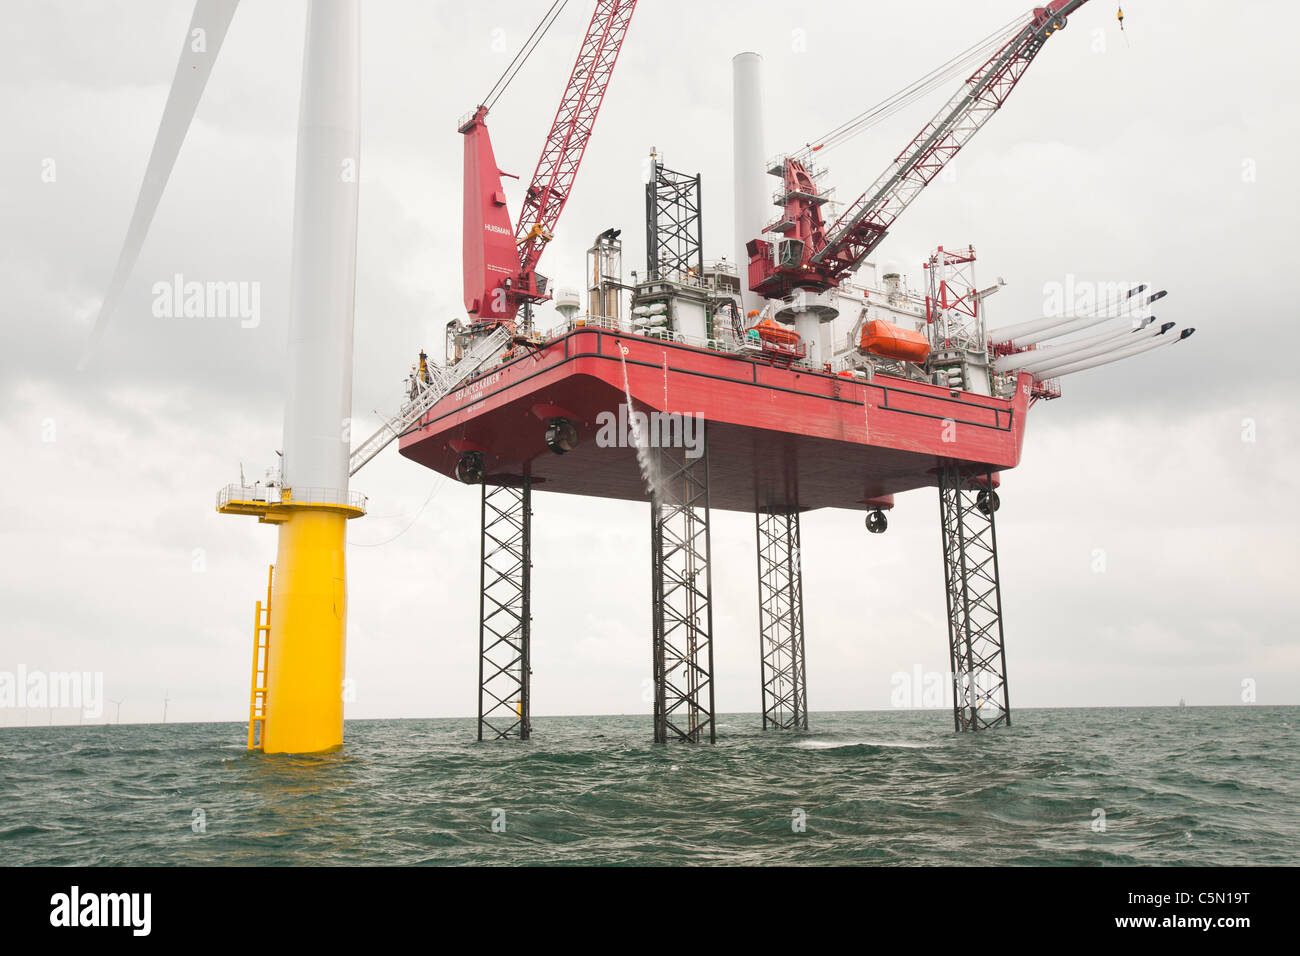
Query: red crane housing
[[500, 260]]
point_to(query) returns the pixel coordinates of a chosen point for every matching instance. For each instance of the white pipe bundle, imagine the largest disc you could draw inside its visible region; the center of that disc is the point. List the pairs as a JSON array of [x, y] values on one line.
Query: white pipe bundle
[[1019, 360], [1069, 369], [1064, 354]]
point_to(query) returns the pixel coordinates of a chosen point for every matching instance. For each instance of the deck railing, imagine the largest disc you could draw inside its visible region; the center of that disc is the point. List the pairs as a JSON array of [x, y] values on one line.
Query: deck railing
[[272, 494]]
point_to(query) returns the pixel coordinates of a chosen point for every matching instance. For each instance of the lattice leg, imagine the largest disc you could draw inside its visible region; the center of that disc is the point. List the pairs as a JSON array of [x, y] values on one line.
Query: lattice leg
[[681, 601], [504, 612], [780, 622], [970, 554]]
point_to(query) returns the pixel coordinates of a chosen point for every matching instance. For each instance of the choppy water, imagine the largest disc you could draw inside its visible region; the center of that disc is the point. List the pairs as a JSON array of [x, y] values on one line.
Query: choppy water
[[1214, 785]]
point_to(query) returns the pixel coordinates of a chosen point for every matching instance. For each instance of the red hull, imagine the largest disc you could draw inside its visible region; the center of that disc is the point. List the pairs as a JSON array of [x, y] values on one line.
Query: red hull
[[777, 437]]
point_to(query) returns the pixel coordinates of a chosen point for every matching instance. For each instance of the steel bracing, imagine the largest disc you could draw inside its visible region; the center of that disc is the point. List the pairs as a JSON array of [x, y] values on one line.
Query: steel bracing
[[566, 143], [682, 606], [970, 559], [780, 622], [504, 612], [674, 238]]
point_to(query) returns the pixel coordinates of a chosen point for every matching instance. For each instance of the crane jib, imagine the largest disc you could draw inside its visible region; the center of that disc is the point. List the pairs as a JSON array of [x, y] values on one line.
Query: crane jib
[[847, 234], [571, 129]]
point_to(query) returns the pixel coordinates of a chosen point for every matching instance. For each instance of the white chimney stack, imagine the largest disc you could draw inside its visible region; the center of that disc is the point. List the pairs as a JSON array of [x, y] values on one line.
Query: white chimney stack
[[752, 203]]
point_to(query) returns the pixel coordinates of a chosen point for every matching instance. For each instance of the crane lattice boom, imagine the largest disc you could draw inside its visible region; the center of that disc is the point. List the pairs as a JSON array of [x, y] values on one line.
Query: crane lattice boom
[[571, 130], [825, 255]]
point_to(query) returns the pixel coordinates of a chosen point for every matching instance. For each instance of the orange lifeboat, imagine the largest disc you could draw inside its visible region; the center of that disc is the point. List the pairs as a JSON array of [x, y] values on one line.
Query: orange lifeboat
[[889, 341], [775, 334]]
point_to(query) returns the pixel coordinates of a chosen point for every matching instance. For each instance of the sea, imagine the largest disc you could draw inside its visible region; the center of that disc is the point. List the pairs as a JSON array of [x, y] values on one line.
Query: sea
[[1165, 786]]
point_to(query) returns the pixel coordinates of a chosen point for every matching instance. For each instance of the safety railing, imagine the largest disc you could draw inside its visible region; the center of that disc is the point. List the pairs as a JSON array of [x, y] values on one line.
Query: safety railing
[[689, 277], [274, 494], [782, 195], [776, 164], [590, 322], [247, 493], [727, 341]]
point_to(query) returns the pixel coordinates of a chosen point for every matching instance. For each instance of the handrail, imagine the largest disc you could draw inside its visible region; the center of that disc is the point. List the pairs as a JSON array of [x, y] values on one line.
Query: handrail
[[276, 495], [444, 381]]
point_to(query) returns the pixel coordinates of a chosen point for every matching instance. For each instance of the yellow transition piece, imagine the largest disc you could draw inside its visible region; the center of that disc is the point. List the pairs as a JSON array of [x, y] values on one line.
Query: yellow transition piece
[[308, 639]]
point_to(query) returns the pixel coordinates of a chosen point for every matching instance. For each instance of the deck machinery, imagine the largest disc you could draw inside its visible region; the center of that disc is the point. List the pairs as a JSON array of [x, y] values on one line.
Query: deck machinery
[[810, 381]]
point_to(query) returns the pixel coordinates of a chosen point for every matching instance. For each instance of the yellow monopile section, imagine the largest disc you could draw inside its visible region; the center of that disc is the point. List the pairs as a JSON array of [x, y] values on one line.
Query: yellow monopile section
[[308, 644]]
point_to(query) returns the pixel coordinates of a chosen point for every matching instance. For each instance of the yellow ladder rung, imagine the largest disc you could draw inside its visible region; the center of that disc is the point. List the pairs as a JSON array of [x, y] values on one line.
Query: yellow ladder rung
[[261, 658]]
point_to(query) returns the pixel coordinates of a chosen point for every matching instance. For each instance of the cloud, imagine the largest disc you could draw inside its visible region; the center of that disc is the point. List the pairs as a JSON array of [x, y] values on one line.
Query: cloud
[[1109, 166]]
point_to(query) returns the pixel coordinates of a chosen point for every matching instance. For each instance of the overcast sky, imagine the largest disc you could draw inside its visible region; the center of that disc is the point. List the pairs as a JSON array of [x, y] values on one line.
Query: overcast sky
[[1165, 156]]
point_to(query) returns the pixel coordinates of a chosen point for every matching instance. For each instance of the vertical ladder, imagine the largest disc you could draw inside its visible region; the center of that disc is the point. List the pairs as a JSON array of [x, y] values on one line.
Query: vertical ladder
[[261, 652]]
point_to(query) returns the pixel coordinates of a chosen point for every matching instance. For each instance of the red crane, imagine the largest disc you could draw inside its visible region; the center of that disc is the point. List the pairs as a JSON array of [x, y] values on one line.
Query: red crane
[[814, 257], [500, 260]]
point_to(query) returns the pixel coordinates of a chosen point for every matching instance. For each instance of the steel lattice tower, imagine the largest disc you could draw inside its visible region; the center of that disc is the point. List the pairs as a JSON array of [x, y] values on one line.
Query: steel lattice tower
[[674, 237], [967, 504], [505, 612], [682, 605], [780, 621]]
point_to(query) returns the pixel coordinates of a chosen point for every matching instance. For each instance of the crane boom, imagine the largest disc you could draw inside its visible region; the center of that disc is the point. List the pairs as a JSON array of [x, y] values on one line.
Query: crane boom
[[822, 255], [501, 275], [571, 130]]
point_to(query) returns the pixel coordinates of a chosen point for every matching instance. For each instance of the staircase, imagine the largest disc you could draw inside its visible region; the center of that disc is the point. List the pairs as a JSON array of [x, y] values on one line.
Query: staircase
[[443, 382]]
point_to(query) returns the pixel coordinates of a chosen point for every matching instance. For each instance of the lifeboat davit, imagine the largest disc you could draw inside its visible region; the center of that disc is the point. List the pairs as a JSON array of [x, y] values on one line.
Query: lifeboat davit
[[775, 334], [889, 341]]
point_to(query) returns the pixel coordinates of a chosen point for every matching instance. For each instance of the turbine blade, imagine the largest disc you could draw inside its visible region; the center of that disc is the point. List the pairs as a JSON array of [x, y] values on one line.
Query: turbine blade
[[1021, 359], [1106, 345], [203, 41], [1156, 342], [1012, 333]]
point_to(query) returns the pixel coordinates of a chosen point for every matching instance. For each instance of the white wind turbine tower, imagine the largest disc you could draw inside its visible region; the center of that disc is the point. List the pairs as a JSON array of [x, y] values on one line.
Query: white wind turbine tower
[[298, 674]]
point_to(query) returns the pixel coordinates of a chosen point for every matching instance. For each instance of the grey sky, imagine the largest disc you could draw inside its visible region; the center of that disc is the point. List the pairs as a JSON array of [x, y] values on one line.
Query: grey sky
[[1168, 159]]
